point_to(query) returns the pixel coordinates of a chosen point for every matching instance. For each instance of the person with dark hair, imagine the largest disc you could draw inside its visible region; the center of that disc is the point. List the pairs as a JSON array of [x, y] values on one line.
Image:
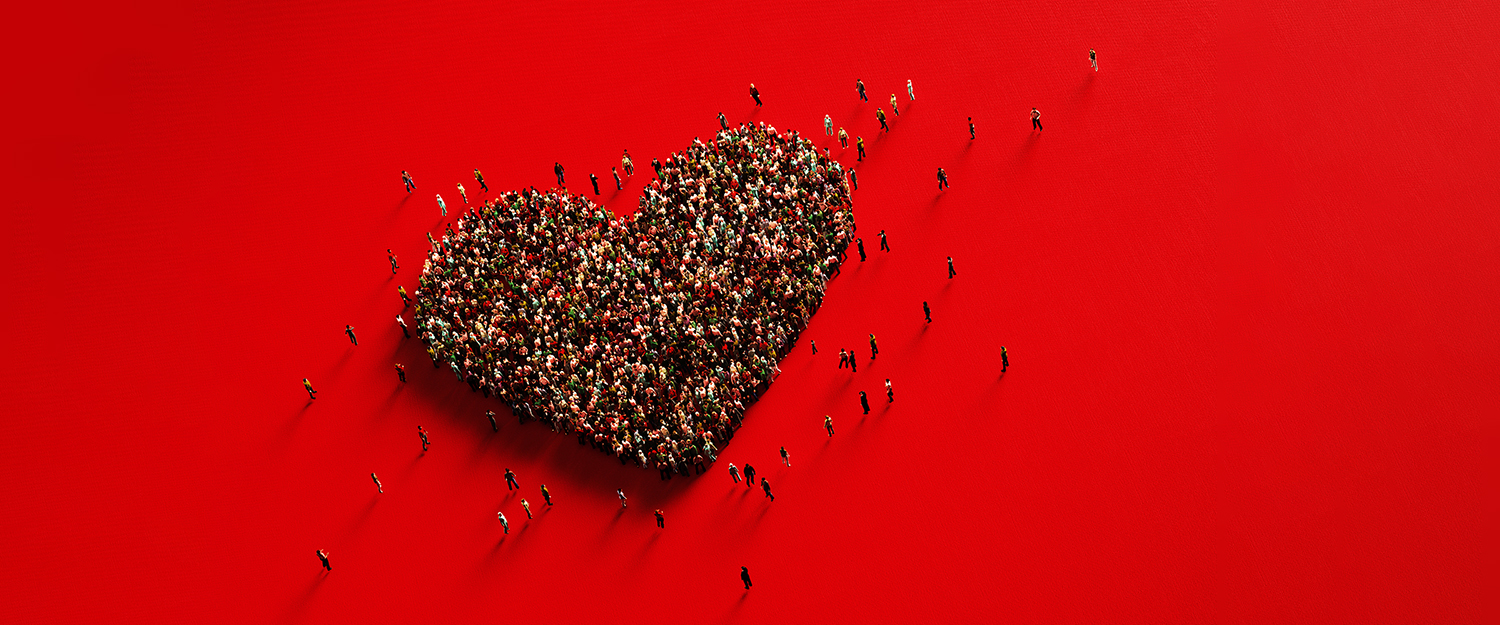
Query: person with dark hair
[[546, 494], [927, 311], [493, 425], [378, 487], [422, 433], [311, 394], [880, 116], [755, 93], [749, 475], [843, 138], [860, 245], [971, 129], [942, 179], [864, 402], [480, 177], [1093, 59], [853, 179], [1004, 359], [594, 180], [859, 85], [884, 247], [401, 372], [406, 178], [510, 480], [723, 122], [786, 456], [734, 472], [860, 143], [504, 522], [619, 186], [828, 425], [874, 349], [402, 322], [951, 272], [349, 330], [557, 168], [324, 556], [745, 577], [661, 519], [527, 507], [765, 485], [392, 256], [1036, 119]]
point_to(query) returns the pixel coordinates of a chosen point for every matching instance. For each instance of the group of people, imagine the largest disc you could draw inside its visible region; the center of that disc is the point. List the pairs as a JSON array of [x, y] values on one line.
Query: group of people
[[647, 335]]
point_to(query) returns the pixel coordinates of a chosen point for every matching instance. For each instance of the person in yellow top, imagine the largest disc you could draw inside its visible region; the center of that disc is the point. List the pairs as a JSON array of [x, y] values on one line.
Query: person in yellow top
[[480, 177], [893, 105], [860, 143], [311, 394], [828, 425], [880, 115], [628, 164]]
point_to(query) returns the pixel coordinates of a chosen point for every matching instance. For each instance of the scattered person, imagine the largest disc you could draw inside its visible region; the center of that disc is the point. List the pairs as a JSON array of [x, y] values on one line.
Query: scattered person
[[786, 456], [493, 425], [402, 322], [860, 143], [853, 363], [859, 85], [843, 358], [405, 299], [510, 480], [422, 433], [311, 394], [324, 556], [546, 494], [814, 345], [765, 485], [853, 179], [1093, 59], [828, 425], [864, 402], [880, 115], [874, 350], [628, 164], [942, 179], [755, 93], [594, 180], [349, 330], [406, 178], [927, 311], [723, 122], [1004, 359], [884, 247], [734, 473], [951, 272], [895, 110], [621, 493], [828, 125], [527, 507], [661, 520], [392, 256], [619, 186], [971, 129], [909, 93], [480, 177], [860, 245], [401, 372], [378, 487], [462, 193], [441, 205], [557, 168], [505, 523], [1036, 119], [843, 138], [749, 475]]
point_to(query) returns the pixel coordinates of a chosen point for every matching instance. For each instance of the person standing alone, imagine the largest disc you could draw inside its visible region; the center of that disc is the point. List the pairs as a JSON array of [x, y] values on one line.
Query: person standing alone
[[755, 93], [942, 179], [859, 85], [324, 557], [349, 330], [1093, 59], [1036, 119], [744, 574], [406, 178], [557, 168]]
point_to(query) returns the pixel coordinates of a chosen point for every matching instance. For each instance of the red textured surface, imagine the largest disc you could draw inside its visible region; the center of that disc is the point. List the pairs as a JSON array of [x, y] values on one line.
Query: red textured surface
[[1247, 276]]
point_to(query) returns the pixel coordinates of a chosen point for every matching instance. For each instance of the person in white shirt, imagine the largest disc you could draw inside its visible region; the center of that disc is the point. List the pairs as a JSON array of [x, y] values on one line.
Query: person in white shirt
[[504, 522], [828, 125], [621, 493], [442, 206], [909, 93]]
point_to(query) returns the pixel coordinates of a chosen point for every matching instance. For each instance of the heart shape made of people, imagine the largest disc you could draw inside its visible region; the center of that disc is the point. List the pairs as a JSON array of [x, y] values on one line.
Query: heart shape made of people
[[646, 335]]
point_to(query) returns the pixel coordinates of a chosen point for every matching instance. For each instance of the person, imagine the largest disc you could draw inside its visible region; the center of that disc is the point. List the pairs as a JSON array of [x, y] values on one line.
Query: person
[[951, 272], [755, 93], [894, 108], [405, 299], [1036, 119], [909, 92], [853, 363], [860, 143], [859, 85], [480, 177], [890, 394], [814, 345], [311, 394], [749, 475], [723, 121], [621, 493], [843, 138], [557, 168], [880, 115], [828, 124], [874, 350], [392, 256], [378, 487], [765, 485], [349, 330], [546, 494], [493, 425], [927, 311], [745, 577], [864, 402], [843, 358], [462, 193], [402, 322], [401, 372], [1093, 59], [942, 179], [616, 173], [884, 247], [510, 480], [971, 129], [628, 164], [324, 556], [1004, 359], [422, 433], [828, 425], [734, 472], [786, 456], [594, 180], [860, 245], [441, 205], [505, 523], [853, 179], [406, 178], [661, 520], [527, 507]]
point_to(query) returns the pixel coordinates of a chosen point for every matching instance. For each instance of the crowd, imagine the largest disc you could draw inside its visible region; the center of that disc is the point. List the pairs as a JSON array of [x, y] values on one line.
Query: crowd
[[647, 335]]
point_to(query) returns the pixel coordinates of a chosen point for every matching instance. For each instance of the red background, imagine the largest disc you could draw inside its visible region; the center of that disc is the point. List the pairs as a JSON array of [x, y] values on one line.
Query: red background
[[1247, 276]]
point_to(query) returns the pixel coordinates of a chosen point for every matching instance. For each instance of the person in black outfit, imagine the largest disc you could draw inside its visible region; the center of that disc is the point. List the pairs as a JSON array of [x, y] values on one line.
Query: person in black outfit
[[755, 93], [860, 243], [951, 272], [864, 402], [618, 185], [853, 179], [557, 168], [349, 330], [661, 521], [723, 123], [814, 345], [765, 485], [927, 311], [853, 368], [392, 256], [324, 557], [594, 180], [1036, 118], [422, 433], [942, 179], [1004, 359], [971, 128], [749, 475], [883, 246], [510, 480], [745, 577], [843, 358], [491, 414]]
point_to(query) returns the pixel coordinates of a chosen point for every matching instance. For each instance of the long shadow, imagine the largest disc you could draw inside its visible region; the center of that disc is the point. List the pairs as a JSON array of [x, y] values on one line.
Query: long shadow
[[300, 603], [361, 517]]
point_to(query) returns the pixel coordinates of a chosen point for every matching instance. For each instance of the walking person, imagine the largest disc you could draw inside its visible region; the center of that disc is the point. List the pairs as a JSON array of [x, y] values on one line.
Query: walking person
[[749, 475], [828, 125], [843, 138], [971, 128], [864, 402], [1004, 360], [1093, 59], [723, 122], [594, 180], [942, 179], [880, 115], [401, 372], [480, 178], [378, 487], [927, 311], [493, 425], [890, 395], [755, 93], [874, 350], [859, 85], [909, 92], [441, 205], [402, 322], [859, 244], [860, 143], [423, 434], [894, 108], [786, 456], [504, 522], [392, 256], [765, 485], [405, 299], [884, 247], [951, 272], [621, 493], [510, 480], [661, 519], [546, 494], [828, 425], [616, 173], [311, 394], [745, 577], [462, 193], [853, 363], [349, 330], [527, 507], [557, 168], [853, 179], [1036, 119], [734, 473], [843, 358], [814, 345], [628, 164], [324, 556], [406, 179]]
